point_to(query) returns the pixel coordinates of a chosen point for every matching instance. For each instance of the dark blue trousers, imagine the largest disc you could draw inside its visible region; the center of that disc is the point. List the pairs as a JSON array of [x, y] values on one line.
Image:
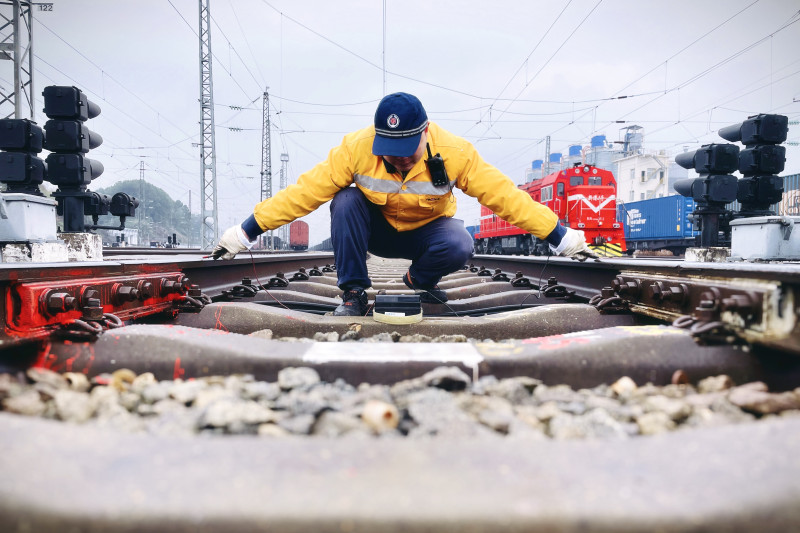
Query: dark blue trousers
[[357, 227]]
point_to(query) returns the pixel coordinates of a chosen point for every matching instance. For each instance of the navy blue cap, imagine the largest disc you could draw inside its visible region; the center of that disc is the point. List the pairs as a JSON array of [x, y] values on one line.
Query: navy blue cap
[[399, 122]]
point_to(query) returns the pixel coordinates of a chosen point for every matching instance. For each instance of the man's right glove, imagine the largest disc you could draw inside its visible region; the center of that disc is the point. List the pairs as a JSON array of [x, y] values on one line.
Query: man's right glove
[[231, 243], [573, 244]]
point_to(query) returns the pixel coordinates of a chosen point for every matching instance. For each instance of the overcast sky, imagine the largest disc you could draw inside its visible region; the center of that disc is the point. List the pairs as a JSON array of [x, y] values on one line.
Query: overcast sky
[[503, 74]]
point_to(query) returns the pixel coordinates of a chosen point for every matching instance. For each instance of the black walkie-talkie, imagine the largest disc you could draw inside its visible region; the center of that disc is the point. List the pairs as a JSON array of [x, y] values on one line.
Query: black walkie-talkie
[[436, 168]]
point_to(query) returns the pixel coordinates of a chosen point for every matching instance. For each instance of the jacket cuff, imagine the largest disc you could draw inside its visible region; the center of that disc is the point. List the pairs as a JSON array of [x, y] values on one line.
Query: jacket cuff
[[251, 227], [555, 236]]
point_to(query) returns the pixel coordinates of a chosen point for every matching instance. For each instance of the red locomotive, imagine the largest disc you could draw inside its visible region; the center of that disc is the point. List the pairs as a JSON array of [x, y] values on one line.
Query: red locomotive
[[583, 197]]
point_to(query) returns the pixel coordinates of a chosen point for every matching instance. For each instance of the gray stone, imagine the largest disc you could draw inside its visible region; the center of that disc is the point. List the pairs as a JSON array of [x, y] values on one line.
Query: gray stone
[[73, 406], [491, 411], [515, 390], [330, 336], [417, 337], [10, 386], [677, 391], [528, 415], [435, 412], [28, 403], [557, 393], [654, 423], [715, 384], [129, 400], [597, 423], [227, 412], [211, 394], [546, 411], [156, 392], [763, 403], [450, 338], [142, 381], [676, 410], [261, 390], [293, 378], [48, 377], [299, 425], [484, 384], [265, 334], [302, 402], [105, 399], [271, 430], [186, 392], [336, 424]]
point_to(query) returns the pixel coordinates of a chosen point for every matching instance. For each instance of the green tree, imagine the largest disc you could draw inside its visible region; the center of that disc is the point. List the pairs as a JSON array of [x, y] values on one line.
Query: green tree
[[158, 216]]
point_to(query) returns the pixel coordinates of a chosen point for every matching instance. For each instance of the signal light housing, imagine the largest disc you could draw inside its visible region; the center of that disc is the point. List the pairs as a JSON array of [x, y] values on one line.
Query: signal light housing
[[20, 135], [68, 103], [711, 159], [758, 129]]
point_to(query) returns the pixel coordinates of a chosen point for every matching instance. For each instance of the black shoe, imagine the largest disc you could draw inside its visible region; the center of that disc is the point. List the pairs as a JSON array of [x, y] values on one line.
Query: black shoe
[[354, 303], [430, 295]]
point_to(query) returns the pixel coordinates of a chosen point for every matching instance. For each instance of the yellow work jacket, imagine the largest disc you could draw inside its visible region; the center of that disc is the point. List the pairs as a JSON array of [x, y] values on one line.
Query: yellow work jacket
[[411, 202]]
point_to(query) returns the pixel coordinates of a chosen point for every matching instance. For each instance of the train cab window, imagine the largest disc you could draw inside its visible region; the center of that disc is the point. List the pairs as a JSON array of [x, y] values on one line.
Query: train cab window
[[595, 180], [560, 188], [576, 180], [547, 193]]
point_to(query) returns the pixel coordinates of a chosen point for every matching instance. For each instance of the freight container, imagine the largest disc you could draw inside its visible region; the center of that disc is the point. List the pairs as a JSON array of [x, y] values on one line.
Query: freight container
[[659, 223], [298, 235]]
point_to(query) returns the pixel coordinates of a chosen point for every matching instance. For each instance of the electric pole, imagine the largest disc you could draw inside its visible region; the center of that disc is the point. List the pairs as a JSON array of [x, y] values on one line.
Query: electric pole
[[16, 44], [208, 156], [140, 212], [266, 158], [284, 184]]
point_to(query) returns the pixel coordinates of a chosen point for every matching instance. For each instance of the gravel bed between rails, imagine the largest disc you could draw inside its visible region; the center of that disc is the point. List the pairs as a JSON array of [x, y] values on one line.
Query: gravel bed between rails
[[444, 402]]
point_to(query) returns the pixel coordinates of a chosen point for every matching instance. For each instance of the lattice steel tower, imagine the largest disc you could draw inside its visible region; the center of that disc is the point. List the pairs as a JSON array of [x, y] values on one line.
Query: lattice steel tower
[[266, 158], [208, 155], [16, 45]]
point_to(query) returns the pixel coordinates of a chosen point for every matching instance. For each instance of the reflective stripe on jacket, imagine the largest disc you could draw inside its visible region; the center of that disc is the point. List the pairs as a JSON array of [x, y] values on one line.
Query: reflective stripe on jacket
[[411, 202]]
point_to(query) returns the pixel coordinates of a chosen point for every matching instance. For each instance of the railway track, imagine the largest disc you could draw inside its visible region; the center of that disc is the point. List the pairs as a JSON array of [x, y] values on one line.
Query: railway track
[[510, 323]]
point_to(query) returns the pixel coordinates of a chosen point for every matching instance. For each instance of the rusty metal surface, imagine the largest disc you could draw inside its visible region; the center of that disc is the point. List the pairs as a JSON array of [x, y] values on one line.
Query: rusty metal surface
[[735, 478]]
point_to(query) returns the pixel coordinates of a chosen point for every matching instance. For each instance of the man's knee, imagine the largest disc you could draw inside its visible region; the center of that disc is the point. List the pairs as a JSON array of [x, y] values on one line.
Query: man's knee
[[348, 198], [463, 247]]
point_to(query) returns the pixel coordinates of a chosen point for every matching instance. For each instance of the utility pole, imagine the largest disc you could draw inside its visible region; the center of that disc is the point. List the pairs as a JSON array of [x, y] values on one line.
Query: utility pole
[[266, 157], [140, 212], [208, 156], [17, 46], [284, 184], [546, 158]]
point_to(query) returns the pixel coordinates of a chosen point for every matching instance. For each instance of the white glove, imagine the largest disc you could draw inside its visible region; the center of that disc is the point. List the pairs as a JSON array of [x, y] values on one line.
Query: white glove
[[231, 243], [573, 245]]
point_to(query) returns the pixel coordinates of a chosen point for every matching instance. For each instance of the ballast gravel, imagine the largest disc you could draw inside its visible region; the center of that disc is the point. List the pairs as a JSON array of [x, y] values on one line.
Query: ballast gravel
[[445, 402]]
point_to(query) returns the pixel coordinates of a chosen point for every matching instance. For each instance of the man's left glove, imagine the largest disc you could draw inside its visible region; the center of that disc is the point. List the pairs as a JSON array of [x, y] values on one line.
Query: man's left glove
[[573, 244], [233, 241]]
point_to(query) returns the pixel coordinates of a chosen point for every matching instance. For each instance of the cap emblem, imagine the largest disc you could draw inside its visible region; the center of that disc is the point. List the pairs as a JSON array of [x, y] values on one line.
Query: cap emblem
[[393, 121]]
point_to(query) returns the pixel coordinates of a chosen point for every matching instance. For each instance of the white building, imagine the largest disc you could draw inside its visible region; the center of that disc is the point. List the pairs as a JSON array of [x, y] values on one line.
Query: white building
[[641, 176]]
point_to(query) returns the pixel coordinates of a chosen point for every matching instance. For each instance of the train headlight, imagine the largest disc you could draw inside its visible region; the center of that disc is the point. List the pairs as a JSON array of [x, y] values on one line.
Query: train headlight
[[615, 225], [581, 225]]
